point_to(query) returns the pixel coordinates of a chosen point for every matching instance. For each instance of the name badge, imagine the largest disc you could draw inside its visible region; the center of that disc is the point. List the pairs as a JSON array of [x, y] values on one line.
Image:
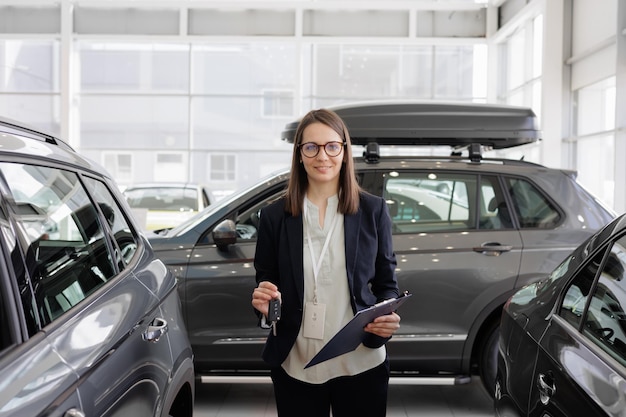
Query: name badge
[[314, 315]]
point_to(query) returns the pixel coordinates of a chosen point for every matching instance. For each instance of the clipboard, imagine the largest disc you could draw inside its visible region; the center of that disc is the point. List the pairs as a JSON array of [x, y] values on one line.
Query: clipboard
[[352, 334]]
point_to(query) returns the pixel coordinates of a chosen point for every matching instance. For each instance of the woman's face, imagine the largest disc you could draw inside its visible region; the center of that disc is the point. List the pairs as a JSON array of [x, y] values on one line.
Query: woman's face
[[322, 168]]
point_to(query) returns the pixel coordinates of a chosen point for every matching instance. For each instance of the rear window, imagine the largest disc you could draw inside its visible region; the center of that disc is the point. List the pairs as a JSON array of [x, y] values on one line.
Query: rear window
[[533, 209], [166, 198]]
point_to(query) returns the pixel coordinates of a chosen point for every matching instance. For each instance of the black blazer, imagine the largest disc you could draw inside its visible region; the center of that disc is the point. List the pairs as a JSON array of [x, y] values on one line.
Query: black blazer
[[370, 263]]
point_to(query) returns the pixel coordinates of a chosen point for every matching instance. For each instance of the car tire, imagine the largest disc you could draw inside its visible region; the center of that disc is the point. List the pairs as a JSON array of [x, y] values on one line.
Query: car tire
[[488, 357]]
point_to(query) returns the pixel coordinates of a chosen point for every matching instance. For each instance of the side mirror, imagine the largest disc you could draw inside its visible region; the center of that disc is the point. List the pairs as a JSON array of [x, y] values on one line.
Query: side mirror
[[225, 234]]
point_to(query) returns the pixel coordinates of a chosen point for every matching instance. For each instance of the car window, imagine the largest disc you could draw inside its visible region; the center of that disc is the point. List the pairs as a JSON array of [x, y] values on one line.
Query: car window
[[428, 201], [605, 322], [533, 209], [423, 201], [5, 335], [67, 255], [494, 211], [577, 294], [248, 217], [121, 231]]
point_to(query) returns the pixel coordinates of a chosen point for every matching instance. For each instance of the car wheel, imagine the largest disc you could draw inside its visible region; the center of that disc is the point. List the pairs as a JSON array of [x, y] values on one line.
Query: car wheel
[[488, 357]]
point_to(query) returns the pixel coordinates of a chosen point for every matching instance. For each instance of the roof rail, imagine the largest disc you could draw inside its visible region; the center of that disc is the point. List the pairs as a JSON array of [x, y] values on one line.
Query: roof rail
[[18, 128]]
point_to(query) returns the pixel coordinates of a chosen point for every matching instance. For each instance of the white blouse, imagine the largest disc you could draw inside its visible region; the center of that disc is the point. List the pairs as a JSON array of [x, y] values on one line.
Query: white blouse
[[332, 291]]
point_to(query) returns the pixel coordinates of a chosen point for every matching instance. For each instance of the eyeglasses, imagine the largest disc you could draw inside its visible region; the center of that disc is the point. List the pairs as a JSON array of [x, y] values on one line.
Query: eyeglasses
[[311, 149]]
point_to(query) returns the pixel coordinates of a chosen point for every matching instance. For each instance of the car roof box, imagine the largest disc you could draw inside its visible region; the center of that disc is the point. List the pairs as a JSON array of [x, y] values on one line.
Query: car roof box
[[434, 123]]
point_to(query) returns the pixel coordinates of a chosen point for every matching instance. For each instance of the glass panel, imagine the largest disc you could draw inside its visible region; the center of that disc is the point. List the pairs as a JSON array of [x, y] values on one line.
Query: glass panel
[[595, 163], [595, 107], [170, 167], [537, 46], [40, 111], [70, 257], [515, 48], [424, 201], [234, 69], [117, 223], [605, 322], [168, 198], [222, 123], [154, 68], [577, 294], [123, 122], [533, 209], [494, 211], [454, 72], [120, 166], [29, 66], [385, 71]]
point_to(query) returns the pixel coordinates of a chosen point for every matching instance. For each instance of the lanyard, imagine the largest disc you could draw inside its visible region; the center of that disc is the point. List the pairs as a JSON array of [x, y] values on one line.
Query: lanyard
[[317, 265]]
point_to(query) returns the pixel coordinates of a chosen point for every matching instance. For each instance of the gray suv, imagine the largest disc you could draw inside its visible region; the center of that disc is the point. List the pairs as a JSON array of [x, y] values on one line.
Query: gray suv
[[90, 320], [468, 231]]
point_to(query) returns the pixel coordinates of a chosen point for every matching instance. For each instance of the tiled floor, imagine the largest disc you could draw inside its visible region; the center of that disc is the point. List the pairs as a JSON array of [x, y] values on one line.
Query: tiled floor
[[257, 400]]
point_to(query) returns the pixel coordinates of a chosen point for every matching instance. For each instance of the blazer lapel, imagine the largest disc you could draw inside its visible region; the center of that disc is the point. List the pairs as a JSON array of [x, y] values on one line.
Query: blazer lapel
[[351, 232], [295, 239]]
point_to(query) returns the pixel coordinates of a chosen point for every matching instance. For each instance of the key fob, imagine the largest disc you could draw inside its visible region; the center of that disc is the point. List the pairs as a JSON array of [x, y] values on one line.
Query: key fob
[[273, 315]]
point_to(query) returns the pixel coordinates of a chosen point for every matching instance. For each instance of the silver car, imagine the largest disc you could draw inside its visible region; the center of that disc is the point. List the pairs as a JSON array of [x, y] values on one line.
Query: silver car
[[90, 320]]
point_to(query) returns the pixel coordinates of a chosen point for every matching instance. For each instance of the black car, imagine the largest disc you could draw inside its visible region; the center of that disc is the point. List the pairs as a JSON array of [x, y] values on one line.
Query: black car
[[468, 231], [90, 320], [562, 349]]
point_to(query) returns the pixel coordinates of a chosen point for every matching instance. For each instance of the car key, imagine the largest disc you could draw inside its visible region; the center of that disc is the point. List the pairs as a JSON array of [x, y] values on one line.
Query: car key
[[273, 314]]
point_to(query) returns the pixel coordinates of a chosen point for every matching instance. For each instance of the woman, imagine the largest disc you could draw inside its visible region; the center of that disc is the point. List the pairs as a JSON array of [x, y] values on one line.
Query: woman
[[325, 251]]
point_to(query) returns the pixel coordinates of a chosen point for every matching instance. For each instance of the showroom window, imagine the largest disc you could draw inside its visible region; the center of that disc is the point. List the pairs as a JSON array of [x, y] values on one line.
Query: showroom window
[[347, 72], [170, 167], [30, 83], [133, 95], [521, 60], [278, 104], [119, 165], [595, 139]]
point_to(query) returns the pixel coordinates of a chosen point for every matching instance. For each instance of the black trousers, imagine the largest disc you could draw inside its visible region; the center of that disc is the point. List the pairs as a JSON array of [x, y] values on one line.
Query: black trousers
[[363, 395]]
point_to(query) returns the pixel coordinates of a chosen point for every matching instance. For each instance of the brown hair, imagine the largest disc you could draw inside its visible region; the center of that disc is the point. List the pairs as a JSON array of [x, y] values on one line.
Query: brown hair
[[349, 188]]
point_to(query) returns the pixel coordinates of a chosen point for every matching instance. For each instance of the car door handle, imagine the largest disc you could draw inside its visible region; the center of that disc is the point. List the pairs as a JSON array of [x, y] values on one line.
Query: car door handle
[[155, 330], [546, 388], [492, 248], [73, 412]]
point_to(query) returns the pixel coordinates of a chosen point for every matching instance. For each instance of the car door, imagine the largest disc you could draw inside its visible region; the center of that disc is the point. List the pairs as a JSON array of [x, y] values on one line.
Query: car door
[[581, 365], [457, 251], [34, 378], [94, 311], [218, 288], [119, 341]]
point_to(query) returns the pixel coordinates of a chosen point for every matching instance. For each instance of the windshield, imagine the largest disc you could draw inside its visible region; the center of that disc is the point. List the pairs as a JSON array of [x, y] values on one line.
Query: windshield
[[163, 198]]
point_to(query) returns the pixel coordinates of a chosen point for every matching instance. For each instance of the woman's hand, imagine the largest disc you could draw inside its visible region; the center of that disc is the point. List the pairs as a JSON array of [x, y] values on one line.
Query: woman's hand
[[384, 326], [262, 295]]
